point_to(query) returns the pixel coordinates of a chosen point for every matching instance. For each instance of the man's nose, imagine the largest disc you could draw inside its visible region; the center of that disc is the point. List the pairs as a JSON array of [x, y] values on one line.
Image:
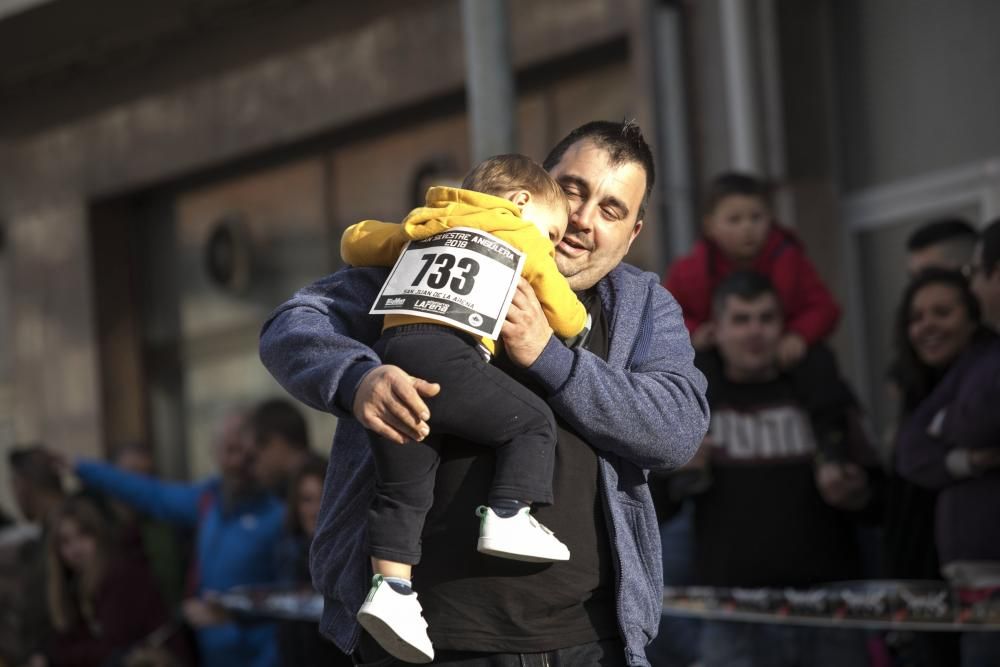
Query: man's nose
[[581, 217]]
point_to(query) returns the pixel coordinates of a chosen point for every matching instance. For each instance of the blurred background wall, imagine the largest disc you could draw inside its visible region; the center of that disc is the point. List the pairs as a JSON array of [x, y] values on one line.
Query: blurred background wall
[[172, 170]]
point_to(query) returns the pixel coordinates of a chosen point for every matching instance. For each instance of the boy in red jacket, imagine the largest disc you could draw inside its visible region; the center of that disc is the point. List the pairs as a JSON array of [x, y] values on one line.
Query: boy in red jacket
[[740, 233]]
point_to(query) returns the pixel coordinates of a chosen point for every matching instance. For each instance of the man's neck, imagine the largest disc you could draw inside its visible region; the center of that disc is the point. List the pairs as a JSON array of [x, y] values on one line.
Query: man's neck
[[47, 505], [234, 491], [299, 456], [749, 375]]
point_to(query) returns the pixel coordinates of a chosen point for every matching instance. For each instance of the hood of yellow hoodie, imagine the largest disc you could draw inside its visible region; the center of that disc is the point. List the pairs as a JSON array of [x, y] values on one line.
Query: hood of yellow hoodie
[[447, 208]]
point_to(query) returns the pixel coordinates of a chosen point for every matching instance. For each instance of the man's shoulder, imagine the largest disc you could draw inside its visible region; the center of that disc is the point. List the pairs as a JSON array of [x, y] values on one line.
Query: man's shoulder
[[710, 363], [348, 280], [630, 276], [208, 491], [637, 286], [625, 286], [977, 365], [346, 275], [272, 516]]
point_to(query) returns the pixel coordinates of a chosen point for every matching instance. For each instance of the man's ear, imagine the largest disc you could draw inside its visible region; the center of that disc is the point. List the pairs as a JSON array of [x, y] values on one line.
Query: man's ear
[[635, 233], [519, 197]]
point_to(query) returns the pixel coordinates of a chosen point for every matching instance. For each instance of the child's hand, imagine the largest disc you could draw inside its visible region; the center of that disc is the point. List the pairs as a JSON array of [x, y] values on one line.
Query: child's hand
[[703, 337], [791, 349]]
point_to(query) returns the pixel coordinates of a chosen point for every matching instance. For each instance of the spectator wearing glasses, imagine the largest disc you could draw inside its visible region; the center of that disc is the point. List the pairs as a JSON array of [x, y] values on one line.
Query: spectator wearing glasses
[[983, 272]]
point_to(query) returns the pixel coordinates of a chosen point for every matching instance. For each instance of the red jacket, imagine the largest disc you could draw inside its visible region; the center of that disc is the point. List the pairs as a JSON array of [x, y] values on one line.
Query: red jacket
[[810, 310]]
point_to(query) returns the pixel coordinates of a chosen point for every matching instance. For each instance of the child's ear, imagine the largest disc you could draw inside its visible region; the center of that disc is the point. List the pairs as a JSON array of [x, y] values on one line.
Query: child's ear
[[520, 198]]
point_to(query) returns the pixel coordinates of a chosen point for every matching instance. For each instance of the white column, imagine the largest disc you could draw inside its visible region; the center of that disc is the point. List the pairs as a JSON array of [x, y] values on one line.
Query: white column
[[674, 154], [742, 83]]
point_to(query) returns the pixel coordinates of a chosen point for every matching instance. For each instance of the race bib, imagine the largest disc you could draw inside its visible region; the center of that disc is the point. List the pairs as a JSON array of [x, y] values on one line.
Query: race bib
[[463, 277]]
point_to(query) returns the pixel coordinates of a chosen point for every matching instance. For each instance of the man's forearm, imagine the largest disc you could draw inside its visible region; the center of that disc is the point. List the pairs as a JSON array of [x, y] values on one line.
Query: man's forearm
[[654, 415], [317, 345]]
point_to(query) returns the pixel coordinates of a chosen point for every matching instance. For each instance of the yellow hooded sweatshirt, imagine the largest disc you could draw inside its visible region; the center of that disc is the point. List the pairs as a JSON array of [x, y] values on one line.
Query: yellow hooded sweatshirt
[[373, 243]]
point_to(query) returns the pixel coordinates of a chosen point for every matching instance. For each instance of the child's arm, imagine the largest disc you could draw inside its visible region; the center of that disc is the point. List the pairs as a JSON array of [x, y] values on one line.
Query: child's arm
[[813, 313], [564, 312], [372, 243]]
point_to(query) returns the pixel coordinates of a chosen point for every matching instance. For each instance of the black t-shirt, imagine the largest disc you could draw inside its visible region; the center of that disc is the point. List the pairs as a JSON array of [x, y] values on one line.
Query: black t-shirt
[[476, 602], [762, 521]]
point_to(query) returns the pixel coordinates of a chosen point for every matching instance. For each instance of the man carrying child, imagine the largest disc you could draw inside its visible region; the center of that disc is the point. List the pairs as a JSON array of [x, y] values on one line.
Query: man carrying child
[[512, 198]]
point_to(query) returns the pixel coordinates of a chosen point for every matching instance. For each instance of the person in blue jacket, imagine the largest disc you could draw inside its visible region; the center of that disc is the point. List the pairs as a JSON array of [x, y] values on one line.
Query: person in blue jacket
[[237, 525], [627, 399]]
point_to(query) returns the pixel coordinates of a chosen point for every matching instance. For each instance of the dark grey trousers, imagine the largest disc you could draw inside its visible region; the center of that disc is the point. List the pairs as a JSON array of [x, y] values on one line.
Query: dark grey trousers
[[478, 403]]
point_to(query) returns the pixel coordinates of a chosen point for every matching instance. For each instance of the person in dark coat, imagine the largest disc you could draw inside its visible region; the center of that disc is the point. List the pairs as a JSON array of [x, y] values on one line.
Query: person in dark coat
[[950, 442]]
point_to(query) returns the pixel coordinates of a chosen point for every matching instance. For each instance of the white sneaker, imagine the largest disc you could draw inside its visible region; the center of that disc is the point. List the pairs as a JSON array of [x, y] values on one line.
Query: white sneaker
[[519, 537], [396, 622]]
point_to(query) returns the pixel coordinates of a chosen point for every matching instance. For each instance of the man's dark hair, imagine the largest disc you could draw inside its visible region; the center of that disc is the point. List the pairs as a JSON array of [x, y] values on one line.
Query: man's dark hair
[[730, 183], [744, 285], [279, 417], [939, 231], [34, 465], [990, 238], [624, 144]]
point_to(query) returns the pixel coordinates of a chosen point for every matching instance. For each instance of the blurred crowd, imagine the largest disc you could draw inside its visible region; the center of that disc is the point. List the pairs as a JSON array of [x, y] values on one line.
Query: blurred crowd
[[127, 571], [789, 488]]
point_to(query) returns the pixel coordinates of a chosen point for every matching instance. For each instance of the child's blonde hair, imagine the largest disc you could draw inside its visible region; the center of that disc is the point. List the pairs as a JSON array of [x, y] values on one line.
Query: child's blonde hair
[[502, 174]]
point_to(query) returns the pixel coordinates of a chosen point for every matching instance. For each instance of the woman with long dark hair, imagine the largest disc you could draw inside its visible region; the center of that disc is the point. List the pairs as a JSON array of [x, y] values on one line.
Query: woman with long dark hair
[[949, 440], [101, 604], [299, 641], [931, 334]]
